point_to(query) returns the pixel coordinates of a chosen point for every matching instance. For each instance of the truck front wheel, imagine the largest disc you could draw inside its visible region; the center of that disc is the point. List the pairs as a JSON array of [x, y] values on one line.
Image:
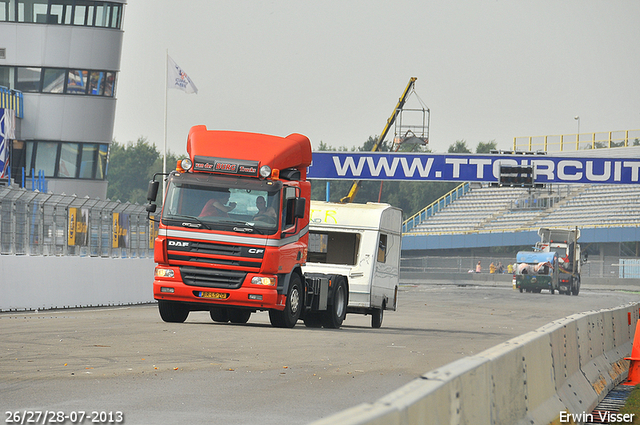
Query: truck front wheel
[[336, 312], [172, 312], [288, 317]]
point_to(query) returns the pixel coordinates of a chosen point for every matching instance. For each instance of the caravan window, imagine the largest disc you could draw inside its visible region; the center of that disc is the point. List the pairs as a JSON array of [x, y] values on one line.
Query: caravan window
[[382, 249], [333, 248]]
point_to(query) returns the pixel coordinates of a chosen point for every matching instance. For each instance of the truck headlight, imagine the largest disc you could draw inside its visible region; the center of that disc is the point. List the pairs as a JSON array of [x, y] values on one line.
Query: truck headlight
[[261, 280], [164, 272], [265, 171], [186, 164]]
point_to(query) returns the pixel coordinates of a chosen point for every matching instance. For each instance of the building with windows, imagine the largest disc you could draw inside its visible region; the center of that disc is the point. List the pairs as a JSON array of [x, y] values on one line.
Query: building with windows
[[64, 56]]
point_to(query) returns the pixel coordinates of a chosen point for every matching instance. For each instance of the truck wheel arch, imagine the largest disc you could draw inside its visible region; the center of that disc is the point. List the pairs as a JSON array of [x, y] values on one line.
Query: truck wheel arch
[[285, 278]]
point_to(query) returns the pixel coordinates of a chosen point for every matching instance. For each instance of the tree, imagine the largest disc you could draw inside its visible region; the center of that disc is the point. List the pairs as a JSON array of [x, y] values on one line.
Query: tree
[[131, 166], [460, 146], [486, 147]]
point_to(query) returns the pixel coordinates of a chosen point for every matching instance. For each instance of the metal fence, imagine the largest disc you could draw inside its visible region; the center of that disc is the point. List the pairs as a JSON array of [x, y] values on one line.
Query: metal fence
[[608, 267], [35, 223]]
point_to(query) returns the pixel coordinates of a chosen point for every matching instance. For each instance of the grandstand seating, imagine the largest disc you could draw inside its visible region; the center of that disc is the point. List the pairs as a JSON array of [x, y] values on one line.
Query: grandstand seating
[[499, 209]]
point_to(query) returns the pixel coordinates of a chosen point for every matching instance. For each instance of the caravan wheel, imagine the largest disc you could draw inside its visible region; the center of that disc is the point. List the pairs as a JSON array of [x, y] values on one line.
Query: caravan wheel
[[377, 316]]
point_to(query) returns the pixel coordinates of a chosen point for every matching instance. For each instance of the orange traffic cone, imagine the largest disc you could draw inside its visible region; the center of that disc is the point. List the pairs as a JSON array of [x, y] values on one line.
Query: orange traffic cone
[[634, 366]]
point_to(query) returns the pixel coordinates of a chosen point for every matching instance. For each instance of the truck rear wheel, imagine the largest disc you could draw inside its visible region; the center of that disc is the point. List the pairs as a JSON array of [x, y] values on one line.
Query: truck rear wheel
[[238, 315], [172, 312], [336, 312], [377, 316], [288, 317], [219, 314], [575, 288], [313, 320]]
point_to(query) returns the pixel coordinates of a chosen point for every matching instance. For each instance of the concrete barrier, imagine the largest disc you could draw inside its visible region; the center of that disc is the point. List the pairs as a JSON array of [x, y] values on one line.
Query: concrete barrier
[[29, 283], [565, 367]]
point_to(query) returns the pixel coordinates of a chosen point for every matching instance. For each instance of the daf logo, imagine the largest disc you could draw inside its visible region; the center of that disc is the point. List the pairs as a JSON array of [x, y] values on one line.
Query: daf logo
[[255, 251], [178, 243]]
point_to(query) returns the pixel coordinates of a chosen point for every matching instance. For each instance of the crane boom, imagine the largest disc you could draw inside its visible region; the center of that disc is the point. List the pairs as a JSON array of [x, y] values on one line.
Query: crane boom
[[356, 183]]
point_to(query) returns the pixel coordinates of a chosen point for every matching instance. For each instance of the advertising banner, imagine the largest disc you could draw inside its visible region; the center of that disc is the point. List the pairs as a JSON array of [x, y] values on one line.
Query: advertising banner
[[469, 167], [120, 232], [7, 133], [78, 226], [153, 233]]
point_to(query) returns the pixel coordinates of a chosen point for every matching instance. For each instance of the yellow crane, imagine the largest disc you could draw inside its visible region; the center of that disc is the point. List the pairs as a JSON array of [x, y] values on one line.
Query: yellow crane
[[356, 183]]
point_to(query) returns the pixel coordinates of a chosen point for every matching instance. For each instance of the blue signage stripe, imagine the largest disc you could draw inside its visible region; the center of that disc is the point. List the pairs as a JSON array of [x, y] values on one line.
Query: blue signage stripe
[[469, 168]]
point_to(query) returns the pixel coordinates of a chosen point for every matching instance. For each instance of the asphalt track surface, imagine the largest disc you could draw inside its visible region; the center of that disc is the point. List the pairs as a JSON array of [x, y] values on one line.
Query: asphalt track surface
[[126, 359]]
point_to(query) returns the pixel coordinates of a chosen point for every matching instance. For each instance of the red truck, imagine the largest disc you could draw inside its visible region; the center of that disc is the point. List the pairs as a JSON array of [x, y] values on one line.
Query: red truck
[[236, 257]]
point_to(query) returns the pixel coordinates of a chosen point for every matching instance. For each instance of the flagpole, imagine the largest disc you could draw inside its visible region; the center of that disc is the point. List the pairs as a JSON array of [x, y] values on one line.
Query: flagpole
[[164, 152]]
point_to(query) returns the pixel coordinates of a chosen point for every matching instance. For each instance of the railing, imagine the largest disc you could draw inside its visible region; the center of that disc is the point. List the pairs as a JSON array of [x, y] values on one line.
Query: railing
[[434, 207], [534, 228], [609, 267], [12, 99], [35, 223], [575, 142]]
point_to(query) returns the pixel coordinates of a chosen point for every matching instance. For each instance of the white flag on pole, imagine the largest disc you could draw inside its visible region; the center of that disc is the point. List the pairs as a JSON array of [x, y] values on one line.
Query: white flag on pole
[[178, 79]]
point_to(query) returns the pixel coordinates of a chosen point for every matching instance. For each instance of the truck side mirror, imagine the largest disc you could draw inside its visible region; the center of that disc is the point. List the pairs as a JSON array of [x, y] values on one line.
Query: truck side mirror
[[151, 208], [152, 191], [300, 207]]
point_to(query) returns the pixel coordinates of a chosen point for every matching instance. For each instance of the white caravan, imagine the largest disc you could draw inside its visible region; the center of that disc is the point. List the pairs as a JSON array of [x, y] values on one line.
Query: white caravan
[[361, 241]]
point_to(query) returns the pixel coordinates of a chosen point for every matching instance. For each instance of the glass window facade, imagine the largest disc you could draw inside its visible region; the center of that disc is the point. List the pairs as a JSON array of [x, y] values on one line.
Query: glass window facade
[[45, 157], [28, 79], [58, 80], [53, 80], [77, 82], [68, 163], [62, 159], [63, 12], [88, 160]]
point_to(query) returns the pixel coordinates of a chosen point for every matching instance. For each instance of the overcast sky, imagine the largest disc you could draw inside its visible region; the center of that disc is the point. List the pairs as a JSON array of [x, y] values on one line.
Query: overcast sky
[[334, 69]]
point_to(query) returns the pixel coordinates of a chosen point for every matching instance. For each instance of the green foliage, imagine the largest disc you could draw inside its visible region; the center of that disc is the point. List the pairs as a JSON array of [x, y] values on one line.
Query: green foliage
[[460, 146], [131, 167], [486, 147]]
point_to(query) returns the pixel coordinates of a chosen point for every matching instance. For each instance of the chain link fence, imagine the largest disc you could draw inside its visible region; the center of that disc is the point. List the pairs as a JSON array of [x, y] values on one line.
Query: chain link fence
[[35, 223]]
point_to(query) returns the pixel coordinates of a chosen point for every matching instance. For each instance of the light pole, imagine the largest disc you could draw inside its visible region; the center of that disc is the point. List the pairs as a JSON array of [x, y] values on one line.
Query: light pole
[[577, 118]]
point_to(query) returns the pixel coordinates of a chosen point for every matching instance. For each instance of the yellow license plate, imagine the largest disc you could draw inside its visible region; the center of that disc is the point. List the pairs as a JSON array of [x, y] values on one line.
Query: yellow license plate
[[220, 295]]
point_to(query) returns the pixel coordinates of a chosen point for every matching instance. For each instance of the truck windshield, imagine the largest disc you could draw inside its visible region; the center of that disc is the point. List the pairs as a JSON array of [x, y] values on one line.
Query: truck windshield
[[215, 202]]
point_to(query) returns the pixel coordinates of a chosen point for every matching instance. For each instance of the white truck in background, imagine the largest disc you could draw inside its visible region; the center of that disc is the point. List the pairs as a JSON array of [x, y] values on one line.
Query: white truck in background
[[565, 243], [362, 242]]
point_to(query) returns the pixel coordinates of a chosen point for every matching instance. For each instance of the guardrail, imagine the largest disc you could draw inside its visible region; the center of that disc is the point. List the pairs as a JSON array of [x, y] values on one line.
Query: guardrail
[[610, 266], [35, 223], [519, 229], [578, 141], [563, 368]]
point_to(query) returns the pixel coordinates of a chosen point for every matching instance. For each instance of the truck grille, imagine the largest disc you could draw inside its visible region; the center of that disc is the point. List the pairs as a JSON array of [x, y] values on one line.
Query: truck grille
[[199, 252], [212, 278], [219, 261]]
